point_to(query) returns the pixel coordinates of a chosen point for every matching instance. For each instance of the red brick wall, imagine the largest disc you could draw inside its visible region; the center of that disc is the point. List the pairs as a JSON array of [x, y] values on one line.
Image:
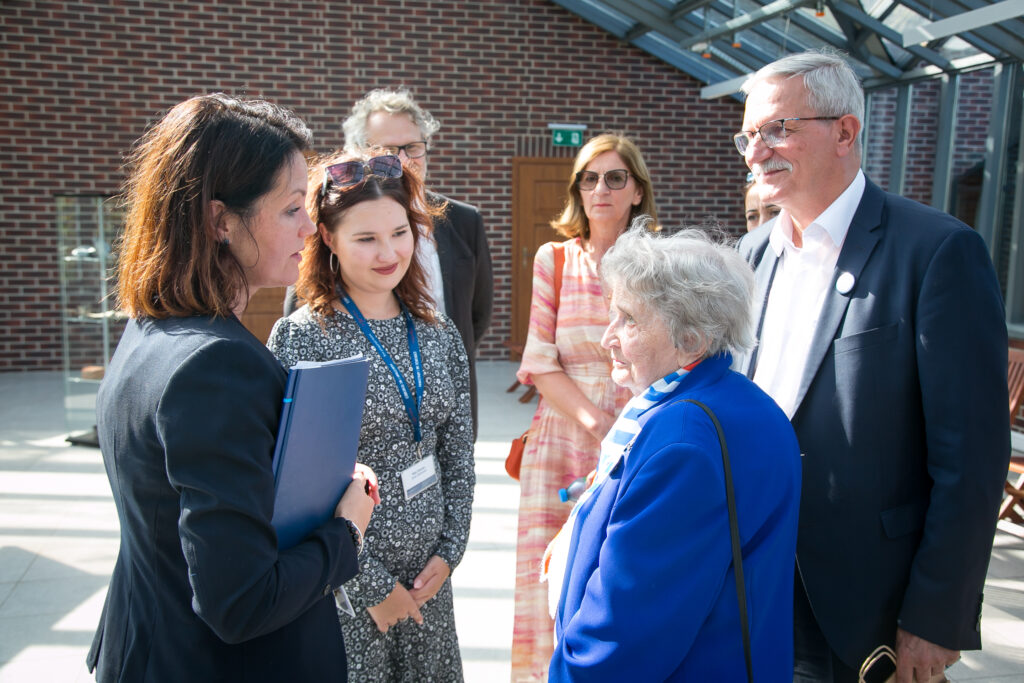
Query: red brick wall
[[971, 131], [973, 114], [81, 80]]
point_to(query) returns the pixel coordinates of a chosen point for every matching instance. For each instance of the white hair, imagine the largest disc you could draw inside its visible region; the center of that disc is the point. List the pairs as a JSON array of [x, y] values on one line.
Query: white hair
[[701, 288], [833, 88], [391, 101]]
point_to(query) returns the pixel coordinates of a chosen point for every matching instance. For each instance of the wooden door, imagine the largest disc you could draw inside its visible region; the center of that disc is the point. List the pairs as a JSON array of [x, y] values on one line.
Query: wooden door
[[264, 309], [538, 195]]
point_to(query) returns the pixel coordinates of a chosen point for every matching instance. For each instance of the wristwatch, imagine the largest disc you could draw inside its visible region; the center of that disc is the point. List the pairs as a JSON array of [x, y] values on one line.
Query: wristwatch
[[357, 535]]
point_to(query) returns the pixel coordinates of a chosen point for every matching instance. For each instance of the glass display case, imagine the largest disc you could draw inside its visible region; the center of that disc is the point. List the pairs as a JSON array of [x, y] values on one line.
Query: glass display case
[[87, 227]]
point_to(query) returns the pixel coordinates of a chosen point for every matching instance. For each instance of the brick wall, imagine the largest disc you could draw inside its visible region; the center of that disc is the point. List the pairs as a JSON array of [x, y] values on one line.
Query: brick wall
[[969, 145], [971, 131], [81, 80]]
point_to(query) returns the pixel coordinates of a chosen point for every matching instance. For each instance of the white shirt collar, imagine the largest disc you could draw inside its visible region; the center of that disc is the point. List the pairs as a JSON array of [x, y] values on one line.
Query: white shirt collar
[[834, 221]]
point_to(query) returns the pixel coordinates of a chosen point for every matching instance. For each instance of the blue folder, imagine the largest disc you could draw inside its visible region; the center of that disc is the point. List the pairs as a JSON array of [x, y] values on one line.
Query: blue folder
[[317, 442]]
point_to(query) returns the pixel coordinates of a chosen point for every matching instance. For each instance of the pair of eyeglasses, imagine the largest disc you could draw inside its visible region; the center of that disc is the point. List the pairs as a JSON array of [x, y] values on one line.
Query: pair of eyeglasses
[[414, 150], [613, 180], [772, 133], [353, 172]]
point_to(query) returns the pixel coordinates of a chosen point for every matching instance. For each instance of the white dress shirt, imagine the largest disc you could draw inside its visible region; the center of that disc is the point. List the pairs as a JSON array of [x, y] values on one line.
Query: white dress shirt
[[802, 278], [426, 249]]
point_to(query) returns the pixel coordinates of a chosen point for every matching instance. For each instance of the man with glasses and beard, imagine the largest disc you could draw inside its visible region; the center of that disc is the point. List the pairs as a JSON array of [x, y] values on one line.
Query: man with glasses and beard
[[882, 336], [457, 260]]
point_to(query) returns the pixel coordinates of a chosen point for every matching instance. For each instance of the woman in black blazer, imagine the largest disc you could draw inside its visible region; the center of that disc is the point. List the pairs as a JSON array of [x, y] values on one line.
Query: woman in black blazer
[[188, 412]]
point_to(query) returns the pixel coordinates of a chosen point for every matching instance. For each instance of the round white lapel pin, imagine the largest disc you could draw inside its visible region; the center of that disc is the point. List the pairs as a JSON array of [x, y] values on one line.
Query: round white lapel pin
[[844, 283]]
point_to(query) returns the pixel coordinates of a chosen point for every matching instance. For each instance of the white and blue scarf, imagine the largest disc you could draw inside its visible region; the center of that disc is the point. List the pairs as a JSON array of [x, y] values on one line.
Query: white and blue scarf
[[614, 448]]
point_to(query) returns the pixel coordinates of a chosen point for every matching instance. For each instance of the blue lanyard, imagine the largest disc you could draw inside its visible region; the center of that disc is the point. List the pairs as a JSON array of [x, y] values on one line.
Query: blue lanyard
[[412, 407]]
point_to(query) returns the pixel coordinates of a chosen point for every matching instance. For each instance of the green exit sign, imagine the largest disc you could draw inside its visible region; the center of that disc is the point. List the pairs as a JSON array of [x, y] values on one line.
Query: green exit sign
[[566, 137]]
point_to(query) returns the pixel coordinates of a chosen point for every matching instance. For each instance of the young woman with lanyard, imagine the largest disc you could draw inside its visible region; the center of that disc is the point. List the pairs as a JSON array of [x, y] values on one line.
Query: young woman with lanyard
[[362, 276]]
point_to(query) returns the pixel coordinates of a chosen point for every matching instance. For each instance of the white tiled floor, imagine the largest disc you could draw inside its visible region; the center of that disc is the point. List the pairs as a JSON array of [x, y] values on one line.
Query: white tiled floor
[[59, 538]]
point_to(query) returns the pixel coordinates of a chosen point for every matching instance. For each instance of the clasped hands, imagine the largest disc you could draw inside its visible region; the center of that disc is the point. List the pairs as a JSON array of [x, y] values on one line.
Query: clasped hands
[[404, 603]]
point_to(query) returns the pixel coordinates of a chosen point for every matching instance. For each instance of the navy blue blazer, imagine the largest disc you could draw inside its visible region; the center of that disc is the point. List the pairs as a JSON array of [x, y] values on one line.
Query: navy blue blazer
[[187, 418], [649, 591], [902, 421]]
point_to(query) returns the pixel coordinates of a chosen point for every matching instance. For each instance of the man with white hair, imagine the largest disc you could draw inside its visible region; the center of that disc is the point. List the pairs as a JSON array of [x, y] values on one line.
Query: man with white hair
[[882, 336]]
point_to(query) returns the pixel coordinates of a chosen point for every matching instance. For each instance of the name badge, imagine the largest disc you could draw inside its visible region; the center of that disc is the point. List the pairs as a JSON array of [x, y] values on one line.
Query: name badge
[[419, 477], [342, 601]]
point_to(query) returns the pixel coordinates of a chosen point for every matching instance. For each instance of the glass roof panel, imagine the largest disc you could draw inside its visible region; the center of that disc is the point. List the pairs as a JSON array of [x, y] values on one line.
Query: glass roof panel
[[876, 56]]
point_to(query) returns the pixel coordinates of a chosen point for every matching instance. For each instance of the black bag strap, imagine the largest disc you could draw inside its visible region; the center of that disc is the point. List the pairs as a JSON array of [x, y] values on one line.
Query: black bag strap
[[734, 532]]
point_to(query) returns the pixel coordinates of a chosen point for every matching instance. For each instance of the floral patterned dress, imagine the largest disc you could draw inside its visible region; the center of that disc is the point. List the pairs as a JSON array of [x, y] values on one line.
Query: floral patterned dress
[[558, 450], [403, 534]]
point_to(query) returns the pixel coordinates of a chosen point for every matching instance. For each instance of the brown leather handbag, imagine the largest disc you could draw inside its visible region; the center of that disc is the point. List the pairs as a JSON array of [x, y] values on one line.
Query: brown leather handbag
[[514, 459]]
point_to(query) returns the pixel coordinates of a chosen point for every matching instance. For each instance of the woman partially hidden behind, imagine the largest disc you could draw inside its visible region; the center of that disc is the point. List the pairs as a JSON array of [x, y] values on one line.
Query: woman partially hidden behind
[[609, 186], [649, 592], [188, 413]]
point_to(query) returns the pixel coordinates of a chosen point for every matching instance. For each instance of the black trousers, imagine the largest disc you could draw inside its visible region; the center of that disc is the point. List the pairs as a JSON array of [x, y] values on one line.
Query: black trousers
[[813, 659]]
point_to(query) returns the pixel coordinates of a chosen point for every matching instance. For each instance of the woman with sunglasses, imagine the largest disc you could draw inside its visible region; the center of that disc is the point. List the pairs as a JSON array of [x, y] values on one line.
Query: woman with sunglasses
[[188, 412], [363, 278], [609, 186]]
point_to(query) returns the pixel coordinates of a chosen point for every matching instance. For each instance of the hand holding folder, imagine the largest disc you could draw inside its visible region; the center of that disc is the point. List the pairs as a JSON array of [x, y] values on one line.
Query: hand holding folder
[[317, 442]]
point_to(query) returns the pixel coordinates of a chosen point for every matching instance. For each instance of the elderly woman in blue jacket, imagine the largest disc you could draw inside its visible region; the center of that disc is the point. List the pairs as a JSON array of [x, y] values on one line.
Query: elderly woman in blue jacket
[[642, 576]]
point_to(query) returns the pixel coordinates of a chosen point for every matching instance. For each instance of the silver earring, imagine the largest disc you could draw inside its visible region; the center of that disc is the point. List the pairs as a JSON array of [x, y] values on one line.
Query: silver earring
[[332, 262], [225, 242]]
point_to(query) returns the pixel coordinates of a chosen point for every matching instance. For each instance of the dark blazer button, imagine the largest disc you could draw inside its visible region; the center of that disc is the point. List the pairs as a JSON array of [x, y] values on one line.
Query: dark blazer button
[[327, 590]]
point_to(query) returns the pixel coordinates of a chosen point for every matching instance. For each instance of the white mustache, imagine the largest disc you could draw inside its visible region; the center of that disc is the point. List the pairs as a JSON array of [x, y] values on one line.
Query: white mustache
[[772, 164]]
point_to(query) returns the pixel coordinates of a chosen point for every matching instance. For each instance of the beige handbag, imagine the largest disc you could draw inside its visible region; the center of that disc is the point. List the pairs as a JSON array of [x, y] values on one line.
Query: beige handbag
[[882, 653]]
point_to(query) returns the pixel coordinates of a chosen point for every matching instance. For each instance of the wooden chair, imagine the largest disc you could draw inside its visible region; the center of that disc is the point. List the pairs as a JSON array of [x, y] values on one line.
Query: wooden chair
[[1012, 508]]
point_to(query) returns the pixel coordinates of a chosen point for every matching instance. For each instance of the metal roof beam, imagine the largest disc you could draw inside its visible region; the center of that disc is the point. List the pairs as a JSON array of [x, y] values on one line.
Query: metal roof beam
[[723, 88], [765, 30], [856, 37], [971, 39], [704, 70], [741, 22], [989, 221], [685, 7], [821, 32], [1014, 25], [973, 63], [635, 32], [967, 21], [945, 138], [751, 58], [869, 22], [900, 137], [654, 20], [988, 39]]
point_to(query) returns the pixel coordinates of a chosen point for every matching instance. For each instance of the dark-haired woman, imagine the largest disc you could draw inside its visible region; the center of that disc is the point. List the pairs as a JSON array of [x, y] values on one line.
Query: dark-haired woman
[[365, 283], [188, 412]]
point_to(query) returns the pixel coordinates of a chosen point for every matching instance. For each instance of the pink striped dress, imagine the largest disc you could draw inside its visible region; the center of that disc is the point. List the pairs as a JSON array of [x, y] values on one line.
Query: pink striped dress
[[559, 450]]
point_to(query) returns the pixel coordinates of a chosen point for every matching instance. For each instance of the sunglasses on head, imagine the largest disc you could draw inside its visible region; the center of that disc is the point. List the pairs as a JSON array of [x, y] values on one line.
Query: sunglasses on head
[[353, 172]]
